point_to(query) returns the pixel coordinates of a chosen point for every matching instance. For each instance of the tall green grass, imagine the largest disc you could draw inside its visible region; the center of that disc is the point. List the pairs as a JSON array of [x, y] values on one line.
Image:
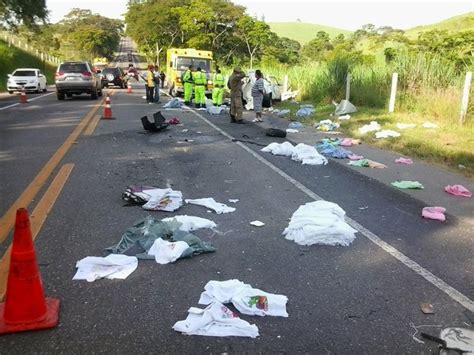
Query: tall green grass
[[12, 58]]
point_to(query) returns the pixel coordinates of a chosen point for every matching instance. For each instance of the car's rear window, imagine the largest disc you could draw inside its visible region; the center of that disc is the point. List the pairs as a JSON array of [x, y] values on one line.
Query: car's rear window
[[111, 70], [73, 67], [24, 73]]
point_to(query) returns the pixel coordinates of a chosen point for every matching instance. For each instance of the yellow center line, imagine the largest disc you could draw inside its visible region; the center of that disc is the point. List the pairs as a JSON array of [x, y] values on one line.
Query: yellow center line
[[38, 217], [8, 219], [92, 125]]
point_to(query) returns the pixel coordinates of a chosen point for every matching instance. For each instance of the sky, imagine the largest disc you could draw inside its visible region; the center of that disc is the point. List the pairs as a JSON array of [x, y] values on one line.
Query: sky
[[346, 14]]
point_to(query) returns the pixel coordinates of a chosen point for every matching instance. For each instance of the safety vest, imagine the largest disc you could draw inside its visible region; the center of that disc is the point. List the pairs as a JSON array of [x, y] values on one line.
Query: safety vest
[[150, 78], [199, 78], [219, 80], [188, 76]]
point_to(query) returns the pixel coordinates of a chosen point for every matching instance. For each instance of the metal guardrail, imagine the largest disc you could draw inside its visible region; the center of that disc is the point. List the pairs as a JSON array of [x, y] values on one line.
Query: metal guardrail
[[22, 44]]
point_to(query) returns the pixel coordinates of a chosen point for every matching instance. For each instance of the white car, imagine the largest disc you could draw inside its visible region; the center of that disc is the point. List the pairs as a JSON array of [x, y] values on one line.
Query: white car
[[30, 78]]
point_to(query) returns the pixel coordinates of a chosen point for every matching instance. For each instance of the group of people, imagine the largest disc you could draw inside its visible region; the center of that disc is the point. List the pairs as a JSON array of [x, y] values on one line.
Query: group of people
[[196, 80], [153, 77]]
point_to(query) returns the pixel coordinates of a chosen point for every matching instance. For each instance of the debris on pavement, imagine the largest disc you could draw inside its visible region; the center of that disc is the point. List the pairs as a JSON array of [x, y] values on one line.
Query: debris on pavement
[[344, 107], [285, 149], [430, 125], [427, 308], [344, 117], [295, 125], [111, 267], [275, 132], [153, 198], [173, 103], [174, 121], [305, 111], [458, 338], [387, 133], [167, 252], [210, 203], [245, 298], [319, 222], [458, 190], [191, 223], [139, 238], [215, 110], [406, 161], [367, 163], [308, 155], [280, 113], [233, 200], [257, 223], [355, 157], [334, 151], [157, 126], [326, 125], [405, 125], [215, 320], [436, 213], [373, 126], [291, 130], [348, 142], [406, 184]]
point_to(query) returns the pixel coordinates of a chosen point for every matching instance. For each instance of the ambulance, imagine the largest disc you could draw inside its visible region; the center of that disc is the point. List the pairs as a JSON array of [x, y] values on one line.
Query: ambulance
[[178, 61]]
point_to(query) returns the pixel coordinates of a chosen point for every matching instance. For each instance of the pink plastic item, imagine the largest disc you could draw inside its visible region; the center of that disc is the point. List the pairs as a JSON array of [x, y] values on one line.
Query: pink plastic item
[[458, 190], [434, 213], [355, 157], [406, 161], [346, 142]]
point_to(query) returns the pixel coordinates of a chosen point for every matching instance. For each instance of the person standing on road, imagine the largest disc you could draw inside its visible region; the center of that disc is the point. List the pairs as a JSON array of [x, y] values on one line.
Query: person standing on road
[[188, 85], [156, 76], [150, 84], [258, 91], [236, 104], [162, 79], [218, 90], [200, 81]]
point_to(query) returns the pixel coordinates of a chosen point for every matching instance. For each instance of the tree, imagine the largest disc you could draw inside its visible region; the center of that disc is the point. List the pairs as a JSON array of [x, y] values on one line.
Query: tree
[[256, 35], [26, 12], [317, 47]]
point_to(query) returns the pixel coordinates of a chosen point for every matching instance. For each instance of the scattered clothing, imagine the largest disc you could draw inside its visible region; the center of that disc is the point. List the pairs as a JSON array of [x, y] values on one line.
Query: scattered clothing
[[274, 132], [327, 125], [355, 157], [246, 299], [282, 113], [373, 126], [386, 133], [167, 252], [367, 163], [430, 125], [348, 142], [215, 110], [167, 200], [308, 155], [344, 107], [215, 320], [111, 267], [174, 121], [295, 125], [191, 223], [209, 202], [305, 112], [457, 190], [233, 200], [461, 339], [319, 222], [334, 152], [291, 130], [405, 184], [434, 213], [257, 223], [405, 125], [344, 117], [406, 161], [174, 103], [139, 238], [285, 148]]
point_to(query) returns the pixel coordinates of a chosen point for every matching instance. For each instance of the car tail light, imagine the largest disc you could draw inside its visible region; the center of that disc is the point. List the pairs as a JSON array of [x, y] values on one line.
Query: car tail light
[[59, 73], [87, 73]]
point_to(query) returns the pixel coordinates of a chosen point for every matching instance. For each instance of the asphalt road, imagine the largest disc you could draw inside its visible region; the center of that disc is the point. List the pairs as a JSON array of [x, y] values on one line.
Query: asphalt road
[[342, 300]]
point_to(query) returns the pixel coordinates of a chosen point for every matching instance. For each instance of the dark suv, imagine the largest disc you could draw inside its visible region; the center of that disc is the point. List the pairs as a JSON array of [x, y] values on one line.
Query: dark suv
[[75, 78], [114, 76]]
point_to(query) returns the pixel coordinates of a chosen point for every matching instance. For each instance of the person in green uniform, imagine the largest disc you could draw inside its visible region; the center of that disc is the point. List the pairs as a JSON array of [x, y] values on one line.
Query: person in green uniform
[[218, 91], [188, 85], [200, 81]]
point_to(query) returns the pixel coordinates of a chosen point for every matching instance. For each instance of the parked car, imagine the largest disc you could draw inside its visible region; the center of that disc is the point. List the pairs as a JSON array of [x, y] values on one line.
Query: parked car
[[75, 78], [30, 78], [113, 76], [272, 87]]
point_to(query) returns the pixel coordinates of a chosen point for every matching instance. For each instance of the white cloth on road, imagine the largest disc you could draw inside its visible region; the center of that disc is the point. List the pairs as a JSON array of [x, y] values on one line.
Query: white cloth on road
[[245, 298], [167, 252], [167, 200], [215, 320], [285, 148], [458, 338], [308, 155], [209, 202], [113, 266], [191, 223], [319, 222]]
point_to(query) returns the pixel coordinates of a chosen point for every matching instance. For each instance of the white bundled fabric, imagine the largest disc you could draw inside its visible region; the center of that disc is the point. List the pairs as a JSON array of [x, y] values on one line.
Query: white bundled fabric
[[307, 154], [319, 222], [285, 148], [174, 103], [113, 266], [386, 133], [373, 126], [167, 252], [164, 200], [212, 204], [215, 320], [191, 223], [246, 299]]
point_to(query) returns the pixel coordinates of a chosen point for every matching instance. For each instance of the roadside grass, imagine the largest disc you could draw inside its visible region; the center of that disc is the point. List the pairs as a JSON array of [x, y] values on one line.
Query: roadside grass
[[449, 145], [12, 58]]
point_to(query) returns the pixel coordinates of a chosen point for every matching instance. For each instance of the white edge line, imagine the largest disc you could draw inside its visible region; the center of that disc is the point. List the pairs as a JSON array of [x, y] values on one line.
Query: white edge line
[[29, 100], [414, 266]]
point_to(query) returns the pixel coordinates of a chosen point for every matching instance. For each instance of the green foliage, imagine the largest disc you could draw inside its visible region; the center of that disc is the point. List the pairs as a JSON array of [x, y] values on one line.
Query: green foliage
[[22, 12], [318, 47], [303, 32]]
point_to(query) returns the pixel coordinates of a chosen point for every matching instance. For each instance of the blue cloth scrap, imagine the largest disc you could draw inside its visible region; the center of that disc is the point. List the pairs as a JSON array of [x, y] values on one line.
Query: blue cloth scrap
[[332, 151], [295, 125]]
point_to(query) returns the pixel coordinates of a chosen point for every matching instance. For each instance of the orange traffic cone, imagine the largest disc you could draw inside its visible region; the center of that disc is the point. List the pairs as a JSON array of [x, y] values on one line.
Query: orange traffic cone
[[107, 109], [129, 87], [25, 307], [23, 98]]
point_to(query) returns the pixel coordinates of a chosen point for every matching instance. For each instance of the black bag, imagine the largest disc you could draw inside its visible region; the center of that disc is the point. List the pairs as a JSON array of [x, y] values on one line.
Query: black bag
[[275, 132]]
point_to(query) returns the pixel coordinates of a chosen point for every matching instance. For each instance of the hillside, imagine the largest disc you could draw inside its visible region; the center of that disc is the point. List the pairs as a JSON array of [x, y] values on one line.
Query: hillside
[[454, 24], [303, 32], [13, 57]]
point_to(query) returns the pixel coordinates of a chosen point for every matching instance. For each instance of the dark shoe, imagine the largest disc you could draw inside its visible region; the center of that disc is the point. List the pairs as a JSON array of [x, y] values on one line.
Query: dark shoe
[[241, 122], [233, 121]]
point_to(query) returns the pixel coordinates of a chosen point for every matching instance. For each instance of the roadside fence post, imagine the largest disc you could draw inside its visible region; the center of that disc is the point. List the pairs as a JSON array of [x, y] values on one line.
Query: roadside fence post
[[465, 97], [393, 93], [285, 84], [348, 86]]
